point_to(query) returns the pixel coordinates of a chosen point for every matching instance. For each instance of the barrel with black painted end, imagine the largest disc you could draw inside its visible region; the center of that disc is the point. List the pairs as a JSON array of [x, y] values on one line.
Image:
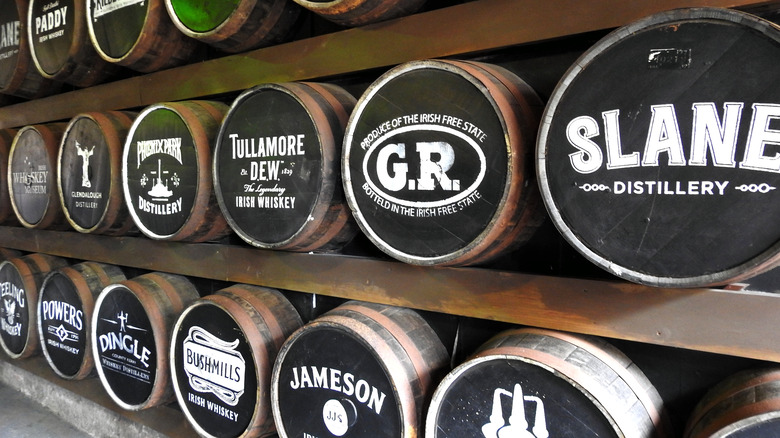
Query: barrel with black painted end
[[222, 354], [235, 26], [539, 383], [20, 282], [652, 126], [90, 173], [277, 167], [138, 34], [746, 404], [18, 74], [438, 162], [7, 215], [60, 46], [166, 171], [359, 12], [66, 303], [132, 326], [359, 370], [32, 168]]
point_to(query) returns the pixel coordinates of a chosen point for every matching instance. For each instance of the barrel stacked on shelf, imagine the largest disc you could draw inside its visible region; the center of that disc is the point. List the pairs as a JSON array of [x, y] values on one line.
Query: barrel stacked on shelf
[[443, 175]]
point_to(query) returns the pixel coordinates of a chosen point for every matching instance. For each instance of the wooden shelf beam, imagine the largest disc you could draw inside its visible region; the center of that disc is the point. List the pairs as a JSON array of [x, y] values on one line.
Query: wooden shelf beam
[[718, 321]]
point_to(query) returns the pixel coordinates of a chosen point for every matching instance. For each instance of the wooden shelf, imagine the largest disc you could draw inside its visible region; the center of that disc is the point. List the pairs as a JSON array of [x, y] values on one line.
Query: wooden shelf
[[738, 323], [458, 30]]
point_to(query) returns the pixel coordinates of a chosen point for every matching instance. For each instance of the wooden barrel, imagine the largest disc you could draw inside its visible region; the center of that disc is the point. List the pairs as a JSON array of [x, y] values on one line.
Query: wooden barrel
[[746, 404], [18, 75], [360, 12], [65, 305], [437, 163], [235, 26], [32, 167], [90, 172], [277, 167], [653, 156], [132, 326], [222, 354], [60, 46], [8, 253], [137, 34], [20, 281], [360, 370], [7, 215], [166, 171], [540, 383]]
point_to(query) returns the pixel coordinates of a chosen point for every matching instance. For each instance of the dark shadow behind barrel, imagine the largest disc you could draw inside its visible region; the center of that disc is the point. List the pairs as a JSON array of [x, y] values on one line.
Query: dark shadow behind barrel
[[7, 215]]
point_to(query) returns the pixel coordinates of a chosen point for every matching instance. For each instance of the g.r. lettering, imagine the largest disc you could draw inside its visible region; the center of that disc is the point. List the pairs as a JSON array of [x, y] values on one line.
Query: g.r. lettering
[[339, 381], [435, 159], [710, 135]]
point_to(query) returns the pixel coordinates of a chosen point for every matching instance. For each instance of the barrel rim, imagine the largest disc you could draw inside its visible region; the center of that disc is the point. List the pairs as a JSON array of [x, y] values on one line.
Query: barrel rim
[[389, 365], [170, 106], [758, 264], [62, 72], [451, 67], [325, 166]]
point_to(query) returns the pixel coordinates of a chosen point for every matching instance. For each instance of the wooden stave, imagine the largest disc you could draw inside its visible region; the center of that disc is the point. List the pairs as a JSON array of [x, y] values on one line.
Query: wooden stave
[[168, 295], [509, 91], [7, 215], [411, 352], [206, 221], [331, 225], [762, 263], [25, 81], [88, 279], [240, 32], [742, 400], [548, 352], [116, 220], [152, 51], [354, 13], [51, 135], [83, 66], [32, 270], [267, 319]]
